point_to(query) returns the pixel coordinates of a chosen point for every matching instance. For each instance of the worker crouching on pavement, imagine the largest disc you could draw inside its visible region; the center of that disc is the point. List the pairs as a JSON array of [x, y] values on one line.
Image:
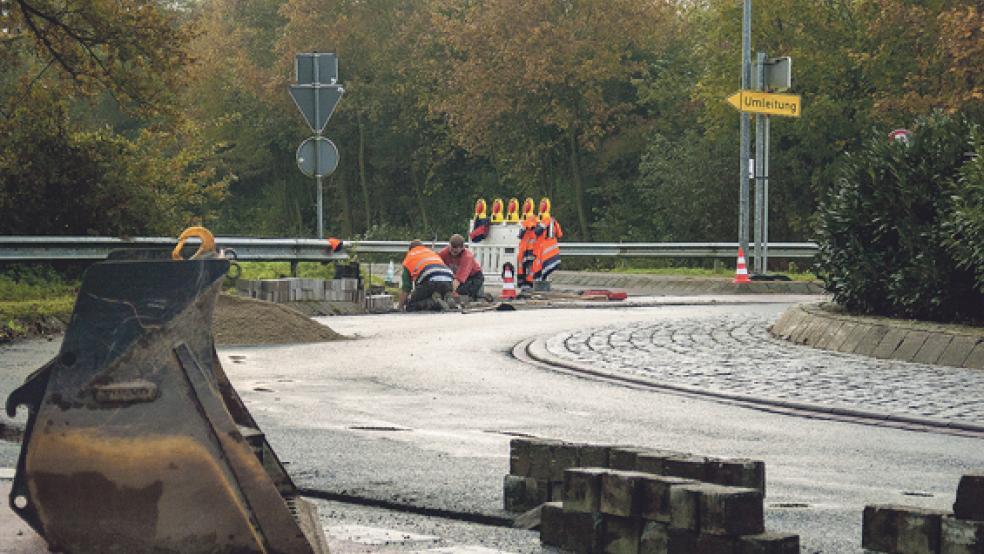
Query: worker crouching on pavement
[[427, 277], [468, 278]]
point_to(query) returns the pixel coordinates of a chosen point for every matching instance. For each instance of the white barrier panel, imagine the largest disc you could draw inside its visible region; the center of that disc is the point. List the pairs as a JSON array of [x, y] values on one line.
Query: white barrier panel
[[496, 249]]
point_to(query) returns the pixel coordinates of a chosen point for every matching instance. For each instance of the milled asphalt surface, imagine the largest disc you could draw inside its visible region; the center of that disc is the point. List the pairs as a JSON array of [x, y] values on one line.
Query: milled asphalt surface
[[419, 409]]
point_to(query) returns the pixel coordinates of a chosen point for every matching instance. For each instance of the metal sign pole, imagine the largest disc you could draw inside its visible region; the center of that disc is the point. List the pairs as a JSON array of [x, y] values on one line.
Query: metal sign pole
[[317, 133], [765, 195], [744, 146], [759, 165]]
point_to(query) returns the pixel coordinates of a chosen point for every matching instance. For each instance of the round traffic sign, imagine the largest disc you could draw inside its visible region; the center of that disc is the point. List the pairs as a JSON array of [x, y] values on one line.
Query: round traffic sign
[[317, 157], [900, 135]]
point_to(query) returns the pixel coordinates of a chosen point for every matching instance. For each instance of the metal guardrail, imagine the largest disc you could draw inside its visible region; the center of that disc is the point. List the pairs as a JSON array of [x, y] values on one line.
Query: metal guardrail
[[24, 248]]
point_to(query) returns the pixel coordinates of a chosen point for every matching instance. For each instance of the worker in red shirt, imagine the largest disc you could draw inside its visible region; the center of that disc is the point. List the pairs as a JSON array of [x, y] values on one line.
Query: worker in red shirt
[[468, 278]]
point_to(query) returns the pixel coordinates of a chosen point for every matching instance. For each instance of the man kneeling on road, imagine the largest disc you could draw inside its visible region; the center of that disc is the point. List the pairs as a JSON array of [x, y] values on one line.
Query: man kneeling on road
[[468, 278], [428, 278]]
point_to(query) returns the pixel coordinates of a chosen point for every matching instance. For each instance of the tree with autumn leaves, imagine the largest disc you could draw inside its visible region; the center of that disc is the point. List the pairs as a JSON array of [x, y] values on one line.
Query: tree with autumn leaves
[[168, 113]]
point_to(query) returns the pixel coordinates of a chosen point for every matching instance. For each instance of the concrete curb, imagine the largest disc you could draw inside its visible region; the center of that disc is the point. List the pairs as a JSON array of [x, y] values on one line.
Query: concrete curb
[[908, 341], [662, 284]]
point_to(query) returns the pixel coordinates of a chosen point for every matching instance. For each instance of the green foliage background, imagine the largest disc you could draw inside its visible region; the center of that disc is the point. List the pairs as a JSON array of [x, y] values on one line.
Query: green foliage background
[[897, 231], [127, 117]]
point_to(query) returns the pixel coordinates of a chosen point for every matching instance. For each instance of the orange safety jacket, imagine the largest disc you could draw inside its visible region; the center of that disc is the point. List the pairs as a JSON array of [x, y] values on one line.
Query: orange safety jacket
[[425, 265], [547, 250], [526, 253]]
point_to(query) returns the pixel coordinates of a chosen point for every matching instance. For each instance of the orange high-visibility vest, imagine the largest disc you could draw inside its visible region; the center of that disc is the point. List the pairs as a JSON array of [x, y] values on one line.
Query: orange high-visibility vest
[[547, 249], [419, 259]]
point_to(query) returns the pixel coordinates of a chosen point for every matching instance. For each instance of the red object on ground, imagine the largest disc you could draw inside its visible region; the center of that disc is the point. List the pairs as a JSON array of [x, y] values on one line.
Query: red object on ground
[[610, 295]]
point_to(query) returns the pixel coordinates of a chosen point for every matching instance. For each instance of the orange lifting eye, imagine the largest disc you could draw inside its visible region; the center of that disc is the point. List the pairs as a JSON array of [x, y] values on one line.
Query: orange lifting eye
[[207, 246]]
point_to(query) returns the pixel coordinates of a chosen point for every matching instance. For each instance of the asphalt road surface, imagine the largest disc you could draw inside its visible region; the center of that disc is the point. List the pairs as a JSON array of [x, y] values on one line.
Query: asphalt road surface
[[416, 413]]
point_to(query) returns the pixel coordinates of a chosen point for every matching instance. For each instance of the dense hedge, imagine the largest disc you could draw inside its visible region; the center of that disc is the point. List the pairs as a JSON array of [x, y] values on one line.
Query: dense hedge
[[901, 233]]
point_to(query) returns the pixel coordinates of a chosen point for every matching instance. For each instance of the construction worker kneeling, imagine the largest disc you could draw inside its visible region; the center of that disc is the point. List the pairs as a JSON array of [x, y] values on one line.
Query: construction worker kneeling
[[426, 280]]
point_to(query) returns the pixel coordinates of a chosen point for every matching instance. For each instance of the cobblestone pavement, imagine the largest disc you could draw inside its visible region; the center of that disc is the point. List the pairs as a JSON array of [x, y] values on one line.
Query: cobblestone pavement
[[734, 354]]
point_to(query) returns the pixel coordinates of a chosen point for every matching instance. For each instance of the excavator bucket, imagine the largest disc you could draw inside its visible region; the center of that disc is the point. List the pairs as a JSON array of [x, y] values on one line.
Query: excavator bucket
[[136, 441]]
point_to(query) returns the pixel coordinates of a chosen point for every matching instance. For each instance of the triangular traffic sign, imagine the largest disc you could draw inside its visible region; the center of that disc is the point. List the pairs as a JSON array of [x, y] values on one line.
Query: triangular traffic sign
[[317, 103]]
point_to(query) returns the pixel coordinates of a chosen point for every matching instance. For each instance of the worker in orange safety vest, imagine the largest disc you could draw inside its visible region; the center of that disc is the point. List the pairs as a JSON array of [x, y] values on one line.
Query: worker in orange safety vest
[[546, 249], [526, 253], [426, 280]]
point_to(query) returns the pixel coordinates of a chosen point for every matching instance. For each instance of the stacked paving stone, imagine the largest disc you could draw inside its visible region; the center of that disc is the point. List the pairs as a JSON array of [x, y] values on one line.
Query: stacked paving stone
[[598, 498], [300, 290], [907, 530]]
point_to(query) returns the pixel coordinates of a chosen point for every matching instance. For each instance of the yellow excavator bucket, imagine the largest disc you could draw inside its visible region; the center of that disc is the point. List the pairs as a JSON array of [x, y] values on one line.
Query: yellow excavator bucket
[[136, 441]]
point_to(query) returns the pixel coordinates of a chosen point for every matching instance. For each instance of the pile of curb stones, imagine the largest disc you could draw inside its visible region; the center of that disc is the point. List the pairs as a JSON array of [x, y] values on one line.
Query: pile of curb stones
[[599, 498], [908, 530], [294, 289]]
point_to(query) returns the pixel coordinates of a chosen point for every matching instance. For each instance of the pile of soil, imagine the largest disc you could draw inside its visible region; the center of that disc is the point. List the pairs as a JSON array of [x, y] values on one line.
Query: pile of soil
[[240, 320]]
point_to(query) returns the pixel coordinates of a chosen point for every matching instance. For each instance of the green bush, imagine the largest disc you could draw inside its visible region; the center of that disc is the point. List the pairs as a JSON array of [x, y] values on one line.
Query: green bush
[[887, 244]]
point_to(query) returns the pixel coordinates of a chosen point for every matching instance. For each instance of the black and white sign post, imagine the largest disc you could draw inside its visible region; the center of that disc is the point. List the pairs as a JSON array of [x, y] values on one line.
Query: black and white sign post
[[316, 95]]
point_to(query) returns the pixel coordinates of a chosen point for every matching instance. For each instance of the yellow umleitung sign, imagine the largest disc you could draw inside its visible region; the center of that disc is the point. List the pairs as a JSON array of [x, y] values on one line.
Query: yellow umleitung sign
[[767, 103]]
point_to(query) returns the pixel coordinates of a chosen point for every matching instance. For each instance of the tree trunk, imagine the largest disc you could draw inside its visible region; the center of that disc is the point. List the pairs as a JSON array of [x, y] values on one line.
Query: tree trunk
[[582, 215], [362, 170], [342, 194], [419, 196]]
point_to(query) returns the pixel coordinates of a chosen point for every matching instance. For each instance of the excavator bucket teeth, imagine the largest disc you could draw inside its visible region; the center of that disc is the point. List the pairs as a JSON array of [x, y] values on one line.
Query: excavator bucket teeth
[[136, 441]]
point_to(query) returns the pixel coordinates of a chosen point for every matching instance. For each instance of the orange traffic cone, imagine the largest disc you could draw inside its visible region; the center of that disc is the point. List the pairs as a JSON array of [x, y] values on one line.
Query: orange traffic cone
[[508, 282], [741, 274]]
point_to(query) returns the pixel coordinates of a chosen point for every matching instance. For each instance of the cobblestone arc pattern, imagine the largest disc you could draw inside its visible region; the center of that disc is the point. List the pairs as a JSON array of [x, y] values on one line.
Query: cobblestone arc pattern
[[737, 355]]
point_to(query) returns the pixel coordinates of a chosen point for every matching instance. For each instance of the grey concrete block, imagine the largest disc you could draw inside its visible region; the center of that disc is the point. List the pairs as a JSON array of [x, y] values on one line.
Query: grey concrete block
[[685, 507], [519, 456], [658, 538], [840, 337], [976, 358], [933, 348], [854, 338], [563, 455], [716, 544], [959, 536], [652, 461], [552, 524], [582, 489], [655, 502], [871, 340], [911, 344], [891, 528], [687, 466], [584, 532], [624, 457], [957, 352], [541, 458], [814, 331], [769, 543], [829, 332], [731, 511], [890, 343], [621, 492], [621, 535], [803, 330], [593, 455], [737, 472], [970, 497], [520, 494], [788, 322]]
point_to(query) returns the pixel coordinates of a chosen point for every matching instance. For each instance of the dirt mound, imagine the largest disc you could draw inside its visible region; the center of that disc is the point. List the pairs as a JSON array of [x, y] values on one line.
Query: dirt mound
[[240, 320]]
